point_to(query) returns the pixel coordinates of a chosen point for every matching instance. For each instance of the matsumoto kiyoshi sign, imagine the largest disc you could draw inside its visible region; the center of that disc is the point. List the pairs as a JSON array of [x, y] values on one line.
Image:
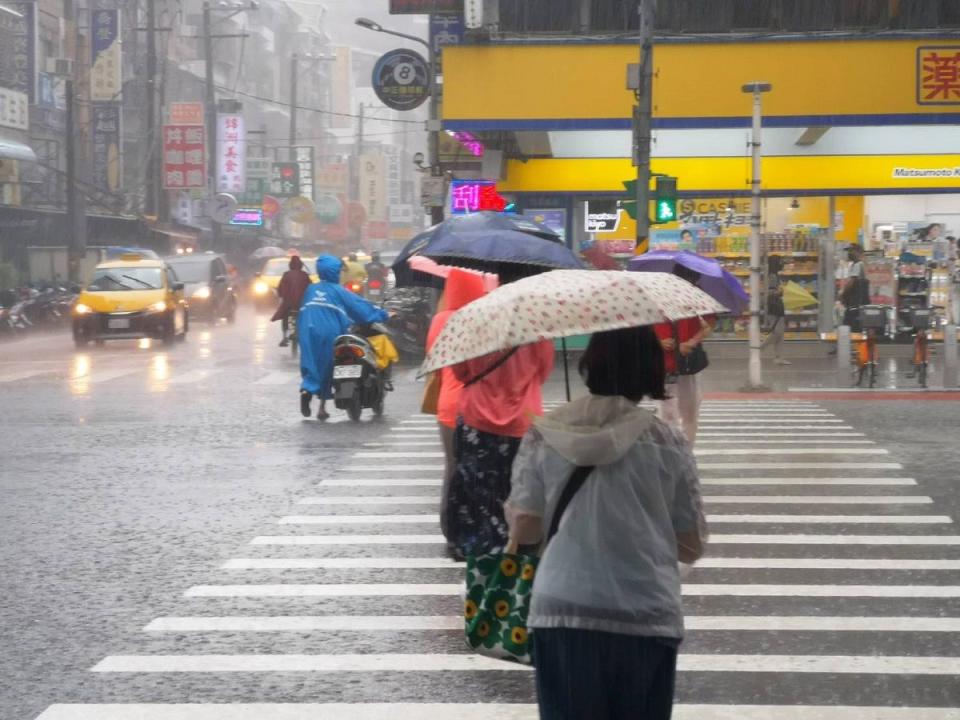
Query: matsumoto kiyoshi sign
[[909, 172]]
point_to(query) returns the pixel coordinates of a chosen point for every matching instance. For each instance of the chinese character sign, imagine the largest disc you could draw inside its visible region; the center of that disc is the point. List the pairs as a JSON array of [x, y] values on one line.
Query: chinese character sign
[[105, 75], [285, 179], [445, 30], [372, 186], [938, 75], [14, 109], [18, 49], [186, 113], [231, 153], [105, 131], [183, 157], [468, 196]]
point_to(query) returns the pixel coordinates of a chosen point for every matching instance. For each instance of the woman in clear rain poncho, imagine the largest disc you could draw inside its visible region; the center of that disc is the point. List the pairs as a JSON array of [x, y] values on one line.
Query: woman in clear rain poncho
[[605, 611]]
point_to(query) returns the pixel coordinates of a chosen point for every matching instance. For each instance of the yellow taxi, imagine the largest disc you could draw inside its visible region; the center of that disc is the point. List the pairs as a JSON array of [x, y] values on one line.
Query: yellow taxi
[[266, 283], [131, 297]]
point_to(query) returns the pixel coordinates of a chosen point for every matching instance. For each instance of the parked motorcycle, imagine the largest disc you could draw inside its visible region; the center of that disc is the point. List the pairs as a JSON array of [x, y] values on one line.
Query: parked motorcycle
[[408, 325], [358, 381]]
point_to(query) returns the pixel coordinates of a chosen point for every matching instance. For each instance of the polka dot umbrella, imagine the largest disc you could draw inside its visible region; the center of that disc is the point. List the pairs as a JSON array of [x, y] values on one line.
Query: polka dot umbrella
[[562, 303]]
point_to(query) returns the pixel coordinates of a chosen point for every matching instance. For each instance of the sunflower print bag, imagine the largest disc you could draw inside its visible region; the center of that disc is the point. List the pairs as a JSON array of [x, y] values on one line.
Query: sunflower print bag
[[497, 604], [499, 588]]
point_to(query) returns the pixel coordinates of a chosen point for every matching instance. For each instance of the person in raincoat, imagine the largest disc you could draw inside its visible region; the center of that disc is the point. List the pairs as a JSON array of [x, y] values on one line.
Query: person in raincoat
[[293, 285], [328, 311]]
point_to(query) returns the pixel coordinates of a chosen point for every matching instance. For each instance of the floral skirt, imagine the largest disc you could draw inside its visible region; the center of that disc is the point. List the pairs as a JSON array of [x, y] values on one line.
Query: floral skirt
[[479, 487]]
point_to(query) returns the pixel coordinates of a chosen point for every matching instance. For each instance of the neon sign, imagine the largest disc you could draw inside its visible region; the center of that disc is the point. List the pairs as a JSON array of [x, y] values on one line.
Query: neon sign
[[468, 196], [469, 141], [248, 217]]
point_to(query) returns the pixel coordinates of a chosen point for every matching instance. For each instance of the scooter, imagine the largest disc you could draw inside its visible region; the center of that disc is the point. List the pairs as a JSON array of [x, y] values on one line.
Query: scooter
[[358, 381]]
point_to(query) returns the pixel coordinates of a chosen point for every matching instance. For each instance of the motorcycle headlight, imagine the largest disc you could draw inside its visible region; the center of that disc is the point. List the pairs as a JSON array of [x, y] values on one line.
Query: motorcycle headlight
[[202, 292], [81, 309], [159, 306], [261, 288]]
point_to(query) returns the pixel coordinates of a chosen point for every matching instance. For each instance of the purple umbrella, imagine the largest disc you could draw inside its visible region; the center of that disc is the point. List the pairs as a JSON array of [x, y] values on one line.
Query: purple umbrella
[[714, 280]]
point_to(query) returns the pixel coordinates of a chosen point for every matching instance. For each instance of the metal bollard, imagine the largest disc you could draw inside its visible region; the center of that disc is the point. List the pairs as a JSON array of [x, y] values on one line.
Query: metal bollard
[[843, 352], [950, 377]]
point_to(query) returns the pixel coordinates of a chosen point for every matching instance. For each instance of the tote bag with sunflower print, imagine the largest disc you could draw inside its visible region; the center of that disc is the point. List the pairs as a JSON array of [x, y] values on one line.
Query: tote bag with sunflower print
[[499, 587]]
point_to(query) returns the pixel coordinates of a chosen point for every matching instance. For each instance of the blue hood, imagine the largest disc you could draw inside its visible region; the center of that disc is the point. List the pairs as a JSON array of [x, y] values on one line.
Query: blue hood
[[328, 268]]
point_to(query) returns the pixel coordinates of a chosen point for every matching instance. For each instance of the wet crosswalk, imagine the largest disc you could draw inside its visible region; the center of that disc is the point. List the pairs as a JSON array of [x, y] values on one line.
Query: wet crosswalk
[[831, 591]]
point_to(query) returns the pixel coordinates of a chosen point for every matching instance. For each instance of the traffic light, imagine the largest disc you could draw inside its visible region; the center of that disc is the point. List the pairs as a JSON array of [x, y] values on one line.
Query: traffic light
[[665, 200]]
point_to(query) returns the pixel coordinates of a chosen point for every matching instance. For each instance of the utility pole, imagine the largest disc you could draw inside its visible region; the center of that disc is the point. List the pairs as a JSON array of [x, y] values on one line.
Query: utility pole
[[153, 145], [294, 62], [357, 156], [211, 112], [433, 127], [642, 123], [755, 383], [75, 219]]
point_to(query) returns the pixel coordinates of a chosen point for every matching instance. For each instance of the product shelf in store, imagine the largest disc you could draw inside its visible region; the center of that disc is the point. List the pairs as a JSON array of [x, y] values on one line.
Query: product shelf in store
[[799, 273], [725, 254], [912, 294], [804, 312], [785, 253]]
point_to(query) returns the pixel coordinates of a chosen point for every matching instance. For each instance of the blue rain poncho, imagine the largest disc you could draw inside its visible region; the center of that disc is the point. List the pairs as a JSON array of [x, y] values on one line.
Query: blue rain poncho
[[328, 311]]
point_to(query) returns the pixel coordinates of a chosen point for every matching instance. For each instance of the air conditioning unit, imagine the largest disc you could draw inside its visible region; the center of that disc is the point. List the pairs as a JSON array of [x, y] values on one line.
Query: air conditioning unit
[[59, 66]]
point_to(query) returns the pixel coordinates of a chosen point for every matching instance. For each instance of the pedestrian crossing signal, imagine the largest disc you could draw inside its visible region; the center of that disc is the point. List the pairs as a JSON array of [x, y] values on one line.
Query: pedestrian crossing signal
[[665, 204]]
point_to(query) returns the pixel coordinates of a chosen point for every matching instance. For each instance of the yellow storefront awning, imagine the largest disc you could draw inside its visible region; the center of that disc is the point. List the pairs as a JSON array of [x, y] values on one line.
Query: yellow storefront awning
[[790, 175]]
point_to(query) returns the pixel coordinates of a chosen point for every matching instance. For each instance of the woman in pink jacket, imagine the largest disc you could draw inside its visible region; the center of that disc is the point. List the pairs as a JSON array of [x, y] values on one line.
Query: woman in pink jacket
[[461, 287], [502, 394]]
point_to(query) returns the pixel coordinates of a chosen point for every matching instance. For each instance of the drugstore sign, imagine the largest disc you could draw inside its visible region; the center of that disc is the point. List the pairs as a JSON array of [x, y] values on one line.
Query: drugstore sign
[[580, 86]]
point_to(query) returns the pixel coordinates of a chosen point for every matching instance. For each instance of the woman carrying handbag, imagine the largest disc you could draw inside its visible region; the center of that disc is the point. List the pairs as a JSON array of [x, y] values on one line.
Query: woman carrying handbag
[[605, 612]]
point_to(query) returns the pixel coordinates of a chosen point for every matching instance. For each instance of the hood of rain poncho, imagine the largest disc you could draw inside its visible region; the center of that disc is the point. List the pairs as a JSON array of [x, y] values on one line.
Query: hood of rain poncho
[[296, 263], [594, 430], [328, 268], [462, 287]]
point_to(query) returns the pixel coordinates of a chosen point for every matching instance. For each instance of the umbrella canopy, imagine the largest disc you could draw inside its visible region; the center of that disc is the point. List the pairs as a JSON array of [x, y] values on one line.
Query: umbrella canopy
[[508, 245], [795, 297], [563, 303], [267, 252], [714, 280]]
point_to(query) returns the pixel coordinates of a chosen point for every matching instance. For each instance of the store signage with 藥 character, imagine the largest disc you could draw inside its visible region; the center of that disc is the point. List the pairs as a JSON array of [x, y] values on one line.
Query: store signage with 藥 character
[[401, 79], [938, 75]]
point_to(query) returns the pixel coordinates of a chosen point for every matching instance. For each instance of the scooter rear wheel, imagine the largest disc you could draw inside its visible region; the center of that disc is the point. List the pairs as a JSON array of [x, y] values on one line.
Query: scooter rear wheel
[[355, 408]]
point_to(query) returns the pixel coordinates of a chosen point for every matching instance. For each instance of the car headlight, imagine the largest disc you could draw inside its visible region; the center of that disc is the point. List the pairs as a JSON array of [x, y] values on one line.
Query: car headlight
[[202, 292], [261, 288], [159, 306], [81, 309]]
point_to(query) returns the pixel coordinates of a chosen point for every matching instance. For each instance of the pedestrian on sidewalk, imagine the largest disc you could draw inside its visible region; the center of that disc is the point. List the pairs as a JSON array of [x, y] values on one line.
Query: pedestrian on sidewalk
[[776, 309], [460, 288], [293, 285], [605, 611], [501, 395], [328, 310], [684, 360], [856, 290]]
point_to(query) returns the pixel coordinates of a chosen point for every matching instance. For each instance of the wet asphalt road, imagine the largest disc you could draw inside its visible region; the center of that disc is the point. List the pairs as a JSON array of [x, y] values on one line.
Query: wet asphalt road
[[131, 476]]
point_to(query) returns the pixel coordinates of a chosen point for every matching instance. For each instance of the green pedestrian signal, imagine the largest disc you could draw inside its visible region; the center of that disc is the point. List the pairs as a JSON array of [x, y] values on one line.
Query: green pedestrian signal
[[665, 203]]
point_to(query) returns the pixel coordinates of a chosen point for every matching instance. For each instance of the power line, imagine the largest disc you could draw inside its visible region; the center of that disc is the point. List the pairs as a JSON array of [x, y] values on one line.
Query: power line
[[312, 109]]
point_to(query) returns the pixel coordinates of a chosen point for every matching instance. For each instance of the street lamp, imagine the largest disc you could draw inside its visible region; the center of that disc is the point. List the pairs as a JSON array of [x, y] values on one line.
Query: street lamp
[[755, 384], [433, 124]]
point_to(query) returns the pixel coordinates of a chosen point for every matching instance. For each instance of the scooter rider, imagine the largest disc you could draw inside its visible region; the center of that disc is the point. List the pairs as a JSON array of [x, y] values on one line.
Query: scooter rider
[[328, 311], [293, 285], [376, 270]]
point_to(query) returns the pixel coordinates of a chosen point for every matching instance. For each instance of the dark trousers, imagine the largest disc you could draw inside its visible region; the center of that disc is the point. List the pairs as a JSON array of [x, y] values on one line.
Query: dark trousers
[[585, 674]]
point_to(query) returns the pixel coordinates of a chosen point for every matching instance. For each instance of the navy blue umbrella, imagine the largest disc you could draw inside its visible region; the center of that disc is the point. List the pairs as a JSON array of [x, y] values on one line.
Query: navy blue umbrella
[[512, 246]]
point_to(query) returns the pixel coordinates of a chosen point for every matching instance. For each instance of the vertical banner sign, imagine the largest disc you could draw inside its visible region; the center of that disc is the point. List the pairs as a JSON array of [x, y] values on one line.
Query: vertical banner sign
[[445, 30], [394, 187], [231, 153], [18, 57], [105, 75], [305, 160], [372, 190], [105, 130], [258, 181], [183, 157]]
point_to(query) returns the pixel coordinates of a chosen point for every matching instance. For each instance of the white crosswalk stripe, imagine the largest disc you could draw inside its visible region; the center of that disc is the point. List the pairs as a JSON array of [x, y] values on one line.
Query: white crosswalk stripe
[[861, 584]]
